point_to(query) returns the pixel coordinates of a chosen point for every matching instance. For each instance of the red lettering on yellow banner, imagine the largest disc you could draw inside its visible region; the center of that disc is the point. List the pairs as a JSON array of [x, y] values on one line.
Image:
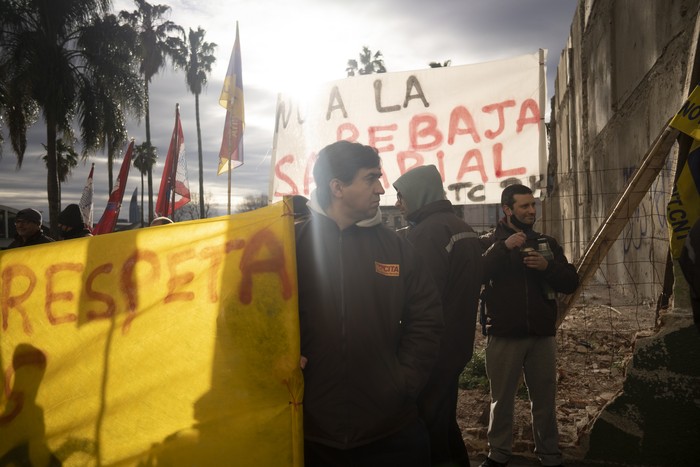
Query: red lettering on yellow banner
[[99, 296], [128, 285], [9, 274], [179, 280], [54, 296], [263, 253], [252, 264], [7, 301]]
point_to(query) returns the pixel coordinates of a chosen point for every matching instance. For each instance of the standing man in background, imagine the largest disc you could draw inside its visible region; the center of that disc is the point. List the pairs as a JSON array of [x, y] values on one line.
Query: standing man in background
[[451, 251], [523, 270], [71, 223], [370, 321], [28, 225]]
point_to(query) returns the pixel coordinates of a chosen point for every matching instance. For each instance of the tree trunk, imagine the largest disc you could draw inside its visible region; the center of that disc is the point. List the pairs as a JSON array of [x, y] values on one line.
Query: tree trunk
[[141, 199], [149, 165], [52, 177], [201, 164], [110, 164]]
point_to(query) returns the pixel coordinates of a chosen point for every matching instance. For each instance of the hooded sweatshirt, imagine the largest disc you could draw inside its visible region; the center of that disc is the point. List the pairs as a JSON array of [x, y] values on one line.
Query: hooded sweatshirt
[[72, 217], [370, 326], [452, 253]]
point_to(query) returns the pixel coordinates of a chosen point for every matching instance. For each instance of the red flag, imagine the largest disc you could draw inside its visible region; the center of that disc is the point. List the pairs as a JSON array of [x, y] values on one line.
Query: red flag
[[231, 153], [109, 218], [85, 203], [174, 189]]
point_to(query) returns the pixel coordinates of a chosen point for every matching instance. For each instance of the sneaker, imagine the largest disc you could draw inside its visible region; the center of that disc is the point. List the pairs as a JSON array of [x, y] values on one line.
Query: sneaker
[[492, 463]]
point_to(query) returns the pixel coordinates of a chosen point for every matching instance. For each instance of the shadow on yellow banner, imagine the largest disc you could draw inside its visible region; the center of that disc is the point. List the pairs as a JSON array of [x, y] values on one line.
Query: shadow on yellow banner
[[171, 345]]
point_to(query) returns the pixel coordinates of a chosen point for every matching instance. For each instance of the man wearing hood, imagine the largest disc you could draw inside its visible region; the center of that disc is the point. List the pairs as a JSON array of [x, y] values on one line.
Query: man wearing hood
[[370, 321], [70, 220], [523, 269], [450, 249]]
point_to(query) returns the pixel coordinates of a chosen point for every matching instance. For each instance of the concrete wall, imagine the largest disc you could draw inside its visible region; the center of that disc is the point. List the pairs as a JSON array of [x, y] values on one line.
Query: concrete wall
[[622, 75]]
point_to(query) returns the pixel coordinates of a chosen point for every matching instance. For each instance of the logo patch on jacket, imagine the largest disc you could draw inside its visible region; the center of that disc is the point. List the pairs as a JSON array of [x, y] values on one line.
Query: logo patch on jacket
[[390, 270]]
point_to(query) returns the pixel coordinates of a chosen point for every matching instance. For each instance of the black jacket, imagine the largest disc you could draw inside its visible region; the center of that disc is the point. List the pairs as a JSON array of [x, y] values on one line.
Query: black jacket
[[451, 251], [38, 239], [516, 304], [370, 321]]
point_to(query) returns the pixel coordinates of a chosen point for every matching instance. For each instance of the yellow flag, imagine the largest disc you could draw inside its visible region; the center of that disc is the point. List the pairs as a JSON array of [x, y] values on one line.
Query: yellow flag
[[170, 345], [687, 120], [683, 208]]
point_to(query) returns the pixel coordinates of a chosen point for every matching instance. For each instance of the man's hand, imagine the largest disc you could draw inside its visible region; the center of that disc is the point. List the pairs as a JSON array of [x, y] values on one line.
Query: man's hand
[[534, 260], [516, 240]]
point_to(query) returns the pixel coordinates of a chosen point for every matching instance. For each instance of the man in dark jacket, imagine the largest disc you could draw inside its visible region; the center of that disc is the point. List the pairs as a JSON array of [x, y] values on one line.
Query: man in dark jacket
[[450, 249], [521, 315], [370, 320], [28, 225], [71, 222]]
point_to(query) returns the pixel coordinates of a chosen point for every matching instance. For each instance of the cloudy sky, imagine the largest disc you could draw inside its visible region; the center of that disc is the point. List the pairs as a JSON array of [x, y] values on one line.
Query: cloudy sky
[[285, 45]]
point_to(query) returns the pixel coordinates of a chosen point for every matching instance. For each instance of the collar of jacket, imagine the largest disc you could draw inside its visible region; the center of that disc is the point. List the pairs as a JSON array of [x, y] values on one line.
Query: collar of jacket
[[419, 215], [503, 231], [315, 207]]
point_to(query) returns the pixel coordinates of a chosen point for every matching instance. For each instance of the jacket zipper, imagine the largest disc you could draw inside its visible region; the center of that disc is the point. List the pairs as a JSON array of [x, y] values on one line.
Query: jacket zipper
[[343, 330], [527, 302]]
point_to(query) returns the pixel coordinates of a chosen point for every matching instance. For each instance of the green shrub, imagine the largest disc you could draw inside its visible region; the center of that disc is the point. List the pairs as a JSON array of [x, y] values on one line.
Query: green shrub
[[474, 374]]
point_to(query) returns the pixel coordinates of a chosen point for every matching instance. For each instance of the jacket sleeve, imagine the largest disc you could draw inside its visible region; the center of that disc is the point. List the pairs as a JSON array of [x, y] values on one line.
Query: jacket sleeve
[[422, 325], [494, 258], [560, 274]]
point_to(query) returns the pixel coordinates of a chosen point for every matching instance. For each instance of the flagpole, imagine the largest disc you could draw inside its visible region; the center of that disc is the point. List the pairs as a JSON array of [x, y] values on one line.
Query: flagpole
[[173, 169], [229, 185], [231, 98]]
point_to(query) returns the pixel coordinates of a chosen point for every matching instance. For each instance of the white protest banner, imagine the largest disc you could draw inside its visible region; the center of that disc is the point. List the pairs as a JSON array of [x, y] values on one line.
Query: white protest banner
[[481, 125]]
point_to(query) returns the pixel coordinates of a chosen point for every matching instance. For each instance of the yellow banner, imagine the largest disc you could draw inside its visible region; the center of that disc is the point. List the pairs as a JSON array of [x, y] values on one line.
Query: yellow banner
[[687, 120], [683, 208], [170, 345]]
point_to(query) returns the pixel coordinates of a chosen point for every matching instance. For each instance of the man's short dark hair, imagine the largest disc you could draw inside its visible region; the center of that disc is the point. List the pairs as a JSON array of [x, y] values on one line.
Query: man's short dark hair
[[509, 192], [341, 160]]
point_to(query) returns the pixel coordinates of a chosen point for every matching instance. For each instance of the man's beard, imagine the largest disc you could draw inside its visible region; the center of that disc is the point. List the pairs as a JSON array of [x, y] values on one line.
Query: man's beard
[[520, 224]]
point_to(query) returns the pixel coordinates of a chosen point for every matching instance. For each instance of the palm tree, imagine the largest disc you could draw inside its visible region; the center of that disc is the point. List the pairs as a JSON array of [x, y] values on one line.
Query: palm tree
[[369, 63], [3, 105], [112, 104], [153, 47], [196, 57], [145, 157], [51, 61], [66, 161], [440, 65]]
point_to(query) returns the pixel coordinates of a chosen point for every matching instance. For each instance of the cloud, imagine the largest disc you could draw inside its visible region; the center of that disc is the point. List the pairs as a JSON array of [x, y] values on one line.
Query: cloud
[[295, 43]]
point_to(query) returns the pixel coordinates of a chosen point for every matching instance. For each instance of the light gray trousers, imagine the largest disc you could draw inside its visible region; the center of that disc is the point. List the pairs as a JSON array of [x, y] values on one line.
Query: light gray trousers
[[506, 359]]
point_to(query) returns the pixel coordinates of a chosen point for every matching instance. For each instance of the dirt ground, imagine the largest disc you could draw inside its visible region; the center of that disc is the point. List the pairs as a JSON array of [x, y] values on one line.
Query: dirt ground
[[595, 342]]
